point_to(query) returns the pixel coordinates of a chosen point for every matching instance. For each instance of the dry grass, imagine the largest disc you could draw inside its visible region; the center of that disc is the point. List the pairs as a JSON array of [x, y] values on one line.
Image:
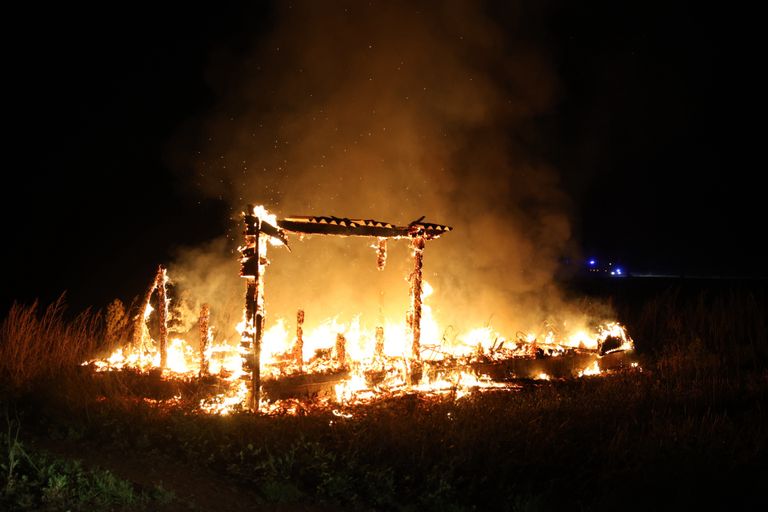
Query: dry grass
[[39, 346]]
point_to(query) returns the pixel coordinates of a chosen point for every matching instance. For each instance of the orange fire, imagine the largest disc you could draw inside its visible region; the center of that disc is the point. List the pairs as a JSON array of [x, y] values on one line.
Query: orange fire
[[363, 362]]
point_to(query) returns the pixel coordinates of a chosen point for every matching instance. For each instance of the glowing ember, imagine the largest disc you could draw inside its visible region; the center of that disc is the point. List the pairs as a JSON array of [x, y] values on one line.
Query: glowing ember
[[593, 369]]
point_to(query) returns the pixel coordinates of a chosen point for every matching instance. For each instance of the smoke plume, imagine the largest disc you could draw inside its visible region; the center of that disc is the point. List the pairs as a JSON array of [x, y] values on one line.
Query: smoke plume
[[391, 110]]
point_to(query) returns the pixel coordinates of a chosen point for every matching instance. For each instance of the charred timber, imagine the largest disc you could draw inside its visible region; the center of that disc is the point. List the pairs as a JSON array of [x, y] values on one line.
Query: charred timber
[[304, 385], [359, 227], [162, 314], [253, 262], [140, 318], [562, 366], [310, 385], [417, 246], [341, 349], [379, 348], [255, 225], [381, 253], [298, 347], [205, 335]]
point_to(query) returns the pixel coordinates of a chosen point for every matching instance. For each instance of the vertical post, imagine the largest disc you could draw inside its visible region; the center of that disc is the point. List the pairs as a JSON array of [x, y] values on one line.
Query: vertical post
[[381, 253], [417, 245], [205, 337], [261, 249], [413, 317], [252, 269], [341, 349], [162, 314], [141, 318], [298, 348], [248, 335], [379, 349]]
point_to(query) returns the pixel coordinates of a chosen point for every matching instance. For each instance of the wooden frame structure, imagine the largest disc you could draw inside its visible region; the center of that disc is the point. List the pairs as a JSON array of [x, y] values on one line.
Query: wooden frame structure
[[259, 230]]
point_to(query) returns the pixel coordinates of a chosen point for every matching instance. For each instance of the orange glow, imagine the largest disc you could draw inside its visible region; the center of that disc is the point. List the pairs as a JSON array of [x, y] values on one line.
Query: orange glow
[[453, 367]]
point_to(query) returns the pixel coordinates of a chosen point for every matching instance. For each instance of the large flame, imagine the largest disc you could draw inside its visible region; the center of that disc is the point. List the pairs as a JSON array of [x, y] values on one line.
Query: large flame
[[225, 360], [366, 360]]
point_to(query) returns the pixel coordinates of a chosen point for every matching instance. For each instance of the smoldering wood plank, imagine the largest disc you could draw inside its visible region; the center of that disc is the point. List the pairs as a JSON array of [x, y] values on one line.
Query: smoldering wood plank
[[329, 225], [303, 385]]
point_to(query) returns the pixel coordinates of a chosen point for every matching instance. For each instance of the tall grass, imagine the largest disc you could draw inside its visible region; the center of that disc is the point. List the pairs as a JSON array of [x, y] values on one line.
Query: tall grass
[[727, 328], [721, 320], [40, 345]]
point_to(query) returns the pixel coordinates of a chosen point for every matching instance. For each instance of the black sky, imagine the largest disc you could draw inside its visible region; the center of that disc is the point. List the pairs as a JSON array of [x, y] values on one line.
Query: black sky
[[650, 133]]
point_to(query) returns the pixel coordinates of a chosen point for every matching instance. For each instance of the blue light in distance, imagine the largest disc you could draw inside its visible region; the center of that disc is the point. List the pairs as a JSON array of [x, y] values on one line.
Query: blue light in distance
[[592, 263]]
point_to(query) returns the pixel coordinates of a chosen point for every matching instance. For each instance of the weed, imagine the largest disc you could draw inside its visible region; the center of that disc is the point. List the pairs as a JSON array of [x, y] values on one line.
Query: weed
[[36, 481]]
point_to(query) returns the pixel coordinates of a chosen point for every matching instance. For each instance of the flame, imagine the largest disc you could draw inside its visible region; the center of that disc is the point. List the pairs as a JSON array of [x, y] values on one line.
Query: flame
[[592, 369], [225, 359], [369, 360], [262, 213]]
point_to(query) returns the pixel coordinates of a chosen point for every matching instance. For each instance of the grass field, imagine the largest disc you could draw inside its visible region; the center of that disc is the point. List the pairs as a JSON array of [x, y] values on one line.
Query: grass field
[[688, 430]]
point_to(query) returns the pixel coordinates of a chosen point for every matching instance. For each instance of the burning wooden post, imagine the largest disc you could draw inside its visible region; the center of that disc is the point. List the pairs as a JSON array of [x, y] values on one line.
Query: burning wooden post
[[205, 337], [381, 253], [141, 317], [298, 347], [253, 263], [341, 349], [379, 348], [162, 315], [252, 271], [414, 317], [158, 283]]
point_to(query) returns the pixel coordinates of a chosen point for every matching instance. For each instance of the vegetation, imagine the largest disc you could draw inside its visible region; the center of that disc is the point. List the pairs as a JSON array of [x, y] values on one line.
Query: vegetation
[[36, 481], [38, 347], [688, 429]]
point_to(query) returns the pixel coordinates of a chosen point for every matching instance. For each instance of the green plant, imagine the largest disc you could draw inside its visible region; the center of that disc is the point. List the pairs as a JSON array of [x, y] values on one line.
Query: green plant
[[36, 481], [14, 453]]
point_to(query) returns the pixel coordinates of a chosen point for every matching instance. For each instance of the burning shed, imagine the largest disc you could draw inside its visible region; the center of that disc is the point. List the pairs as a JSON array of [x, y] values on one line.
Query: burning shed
[[271, 369], [262, 227]]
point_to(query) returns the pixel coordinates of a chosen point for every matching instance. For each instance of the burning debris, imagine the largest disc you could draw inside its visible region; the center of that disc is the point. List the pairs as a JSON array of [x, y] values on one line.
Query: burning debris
[[347, 363]]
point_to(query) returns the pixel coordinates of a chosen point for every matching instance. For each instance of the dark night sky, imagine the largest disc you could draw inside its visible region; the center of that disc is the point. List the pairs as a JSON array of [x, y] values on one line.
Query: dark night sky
[[650, 134]]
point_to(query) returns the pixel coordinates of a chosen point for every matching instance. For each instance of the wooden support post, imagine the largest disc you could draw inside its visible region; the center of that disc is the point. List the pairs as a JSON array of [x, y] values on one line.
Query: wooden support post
[[256, 291], [205, 337], [162, 315], [341, 349], [254, 259], [416, 288], [141, 317], [414, 314], [379, 349], [381, 253], [298, 347], [246, 340], [258, 333]]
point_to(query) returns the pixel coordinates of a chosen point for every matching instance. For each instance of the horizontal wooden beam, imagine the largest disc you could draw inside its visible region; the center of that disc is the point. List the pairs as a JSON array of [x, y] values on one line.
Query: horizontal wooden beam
[[359, 227]]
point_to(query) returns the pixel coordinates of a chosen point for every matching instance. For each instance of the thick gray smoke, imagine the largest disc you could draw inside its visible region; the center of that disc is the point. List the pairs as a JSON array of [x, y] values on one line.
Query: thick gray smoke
[[390, 110]]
